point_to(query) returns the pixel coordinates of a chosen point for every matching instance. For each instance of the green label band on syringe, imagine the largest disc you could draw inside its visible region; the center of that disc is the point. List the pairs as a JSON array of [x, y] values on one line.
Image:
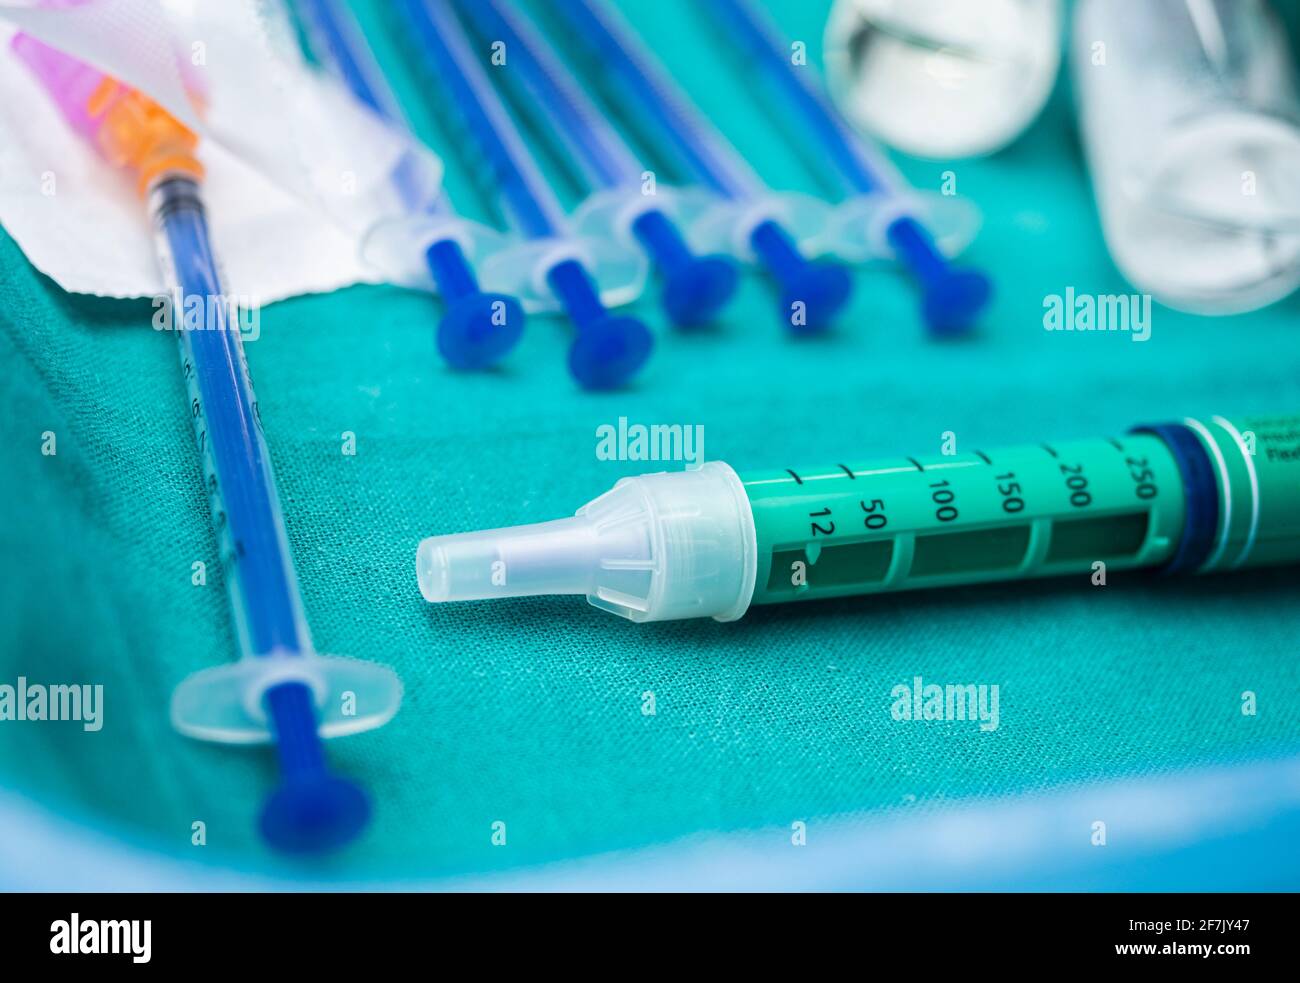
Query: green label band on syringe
[[1192, 496], [863, 527]]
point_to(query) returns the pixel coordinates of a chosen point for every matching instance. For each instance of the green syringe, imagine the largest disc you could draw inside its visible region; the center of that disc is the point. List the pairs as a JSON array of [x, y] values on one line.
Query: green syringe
[[1193, 496]]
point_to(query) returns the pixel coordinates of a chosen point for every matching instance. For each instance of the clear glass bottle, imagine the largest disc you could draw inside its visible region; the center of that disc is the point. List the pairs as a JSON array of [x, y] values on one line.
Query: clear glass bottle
[[943, 78], [1191, 121]]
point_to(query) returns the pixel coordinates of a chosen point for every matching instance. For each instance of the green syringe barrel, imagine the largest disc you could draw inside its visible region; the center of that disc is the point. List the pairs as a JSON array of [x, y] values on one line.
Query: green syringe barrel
[[1034, 511], [1192, 496]]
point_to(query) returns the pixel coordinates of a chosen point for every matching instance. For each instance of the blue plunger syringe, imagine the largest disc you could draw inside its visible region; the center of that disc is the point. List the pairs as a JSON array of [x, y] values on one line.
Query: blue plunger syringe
[[695, 287], [953, 298], [609, 349], [280, 689], [758, 220], [478, 328]]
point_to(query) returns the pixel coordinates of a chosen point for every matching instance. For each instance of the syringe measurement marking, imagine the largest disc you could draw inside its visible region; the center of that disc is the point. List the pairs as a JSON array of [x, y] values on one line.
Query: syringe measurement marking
[[229, 549], [1010, 492], [1077, 483], [856, 474], [816, 528], [944, 495], [1144, 487]]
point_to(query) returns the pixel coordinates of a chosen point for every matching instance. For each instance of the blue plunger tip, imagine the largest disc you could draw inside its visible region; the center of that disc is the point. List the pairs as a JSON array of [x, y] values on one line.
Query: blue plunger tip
[[314, 813], [698, 290], [954, 299], [954, 302], [478, 330], [609, 351], [811, 293], [822, 288]]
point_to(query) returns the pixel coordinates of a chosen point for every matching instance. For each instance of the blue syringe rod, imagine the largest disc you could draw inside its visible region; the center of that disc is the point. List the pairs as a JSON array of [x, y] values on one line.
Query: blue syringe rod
[[695, 288], [532, 206], [601, 151], [646, 87], [335, 35], [607, 350], [744, 25], [336, 38]]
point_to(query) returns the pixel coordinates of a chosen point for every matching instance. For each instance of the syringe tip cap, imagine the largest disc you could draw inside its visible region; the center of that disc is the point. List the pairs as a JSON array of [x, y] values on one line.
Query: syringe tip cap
[[955, 302], [314, 814], [609, 351], [812, 297], [479, 329], [696, 292], [432, 571]]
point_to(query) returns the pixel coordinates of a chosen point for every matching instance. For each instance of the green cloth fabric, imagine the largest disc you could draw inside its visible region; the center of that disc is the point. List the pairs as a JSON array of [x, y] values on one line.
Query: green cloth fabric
[[529, 712]]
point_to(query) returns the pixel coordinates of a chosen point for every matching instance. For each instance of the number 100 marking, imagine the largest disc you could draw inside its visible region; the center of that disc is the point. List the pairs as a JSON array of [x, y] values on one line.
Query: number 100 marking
[[943, 497]]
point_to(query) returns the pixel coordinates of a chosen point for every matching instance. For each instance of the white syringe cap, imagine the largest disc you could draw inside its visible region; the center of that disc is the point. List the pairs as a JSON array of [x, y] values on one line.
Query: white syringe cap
[[653, 548]]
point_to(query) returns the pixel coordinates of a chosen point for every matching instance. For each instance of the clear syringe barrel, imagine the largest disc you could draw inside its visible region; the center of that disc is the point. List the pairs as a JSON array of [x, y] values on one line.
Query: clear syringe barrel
[[334, 35], [1190, 116], [237, 468], [591, 140], [533, 206], [861, 168], [1193, 496], [645, 87]]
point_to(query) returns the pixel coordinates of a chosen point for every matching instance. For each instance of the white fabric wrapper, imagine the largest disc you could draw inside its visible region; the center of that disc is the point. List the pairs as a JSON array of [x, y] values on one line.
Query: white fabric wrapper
[[298, 172]]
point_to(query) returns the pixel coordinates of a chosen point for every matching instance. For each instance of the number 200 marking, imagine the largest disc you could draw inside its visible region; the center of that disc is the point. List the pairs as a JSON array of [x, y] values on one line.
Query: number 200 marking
[[1076, 482]]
